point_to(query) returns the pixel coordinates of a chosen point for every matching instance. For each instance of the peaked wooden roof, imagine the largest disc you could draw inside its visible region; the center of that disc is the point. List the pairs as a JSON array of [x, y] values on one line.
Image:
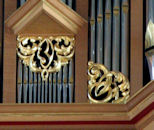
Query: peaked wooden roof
[[45, 16]]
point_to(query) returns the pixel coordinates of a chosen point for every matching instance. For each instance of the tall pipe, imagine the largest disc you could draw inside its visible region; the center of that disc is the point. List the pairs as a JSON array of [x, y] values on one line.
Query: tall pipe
[[116, 36], [71, 81], [46, 91], [107, 35], [20, 81], [30, 85], [100, 32], [25, 83], [39, 84], [42, 91], [70, 71], [34, 87], [124, 38], [65, 83], [54, 87], [50, 88], [59, 86], [92, 37]]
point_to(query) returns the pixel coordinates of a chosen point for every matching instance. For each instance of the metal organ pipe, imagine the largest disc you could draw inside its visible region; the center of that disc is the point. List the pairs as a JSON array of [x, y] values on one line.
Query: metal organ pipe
[[99, 49], [92, 24], [150, 10], [20, 81], [116, 35], [107, 37], [111, 37], [124, 38]]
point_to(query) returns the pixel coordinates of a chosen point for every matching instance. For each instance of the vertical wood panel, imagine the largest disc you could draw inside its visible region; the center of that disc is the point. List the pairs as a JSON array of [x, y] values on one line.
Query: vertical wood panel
[[1, 30], [81, 60], [82, 8], [10, 7], [1, 51], [9, 85], [81, 55], [136, 66]]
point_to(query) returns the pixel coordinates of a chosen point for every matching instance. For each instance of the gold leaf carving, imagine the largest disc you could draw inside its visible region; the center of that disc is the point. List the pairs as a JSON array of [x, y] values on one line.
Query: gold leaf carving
[[105, 86], [45, 55]]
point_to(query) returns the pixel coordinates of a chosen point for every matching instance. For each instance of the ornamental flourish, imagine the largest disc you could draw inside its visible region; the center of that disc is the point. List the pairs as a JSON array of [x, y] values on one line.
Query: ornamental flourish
[[106, 86], [45, 55]]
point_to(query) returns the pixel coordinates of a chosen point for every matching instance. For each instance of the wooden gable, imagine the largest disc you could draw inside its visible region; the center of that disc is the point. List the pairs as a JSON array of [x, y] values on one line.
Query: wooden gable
[[45, 17]]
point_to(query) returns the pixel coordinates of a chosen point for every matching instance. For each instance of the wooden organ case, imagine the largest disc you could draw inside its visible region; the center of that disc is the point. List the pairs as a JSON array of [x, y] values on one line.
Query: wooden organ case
[[45, 19], [56, 95]]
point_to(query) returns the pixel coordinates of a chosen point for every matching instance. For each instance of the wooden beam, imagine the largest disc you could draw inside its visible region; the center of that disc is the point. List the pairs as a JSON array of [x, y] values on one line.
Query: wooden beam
[[136, 40], [81, 55], [68, 127], [81, 60], [82, 8], [10, 7], [9, 74], [9, 85], [81, 112]]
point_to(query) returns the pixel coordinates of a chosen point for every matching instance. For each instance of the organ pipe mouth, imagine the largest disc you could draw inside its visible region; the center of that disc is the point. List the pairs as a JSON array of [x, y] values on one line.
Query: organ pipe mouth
[[116, 10]]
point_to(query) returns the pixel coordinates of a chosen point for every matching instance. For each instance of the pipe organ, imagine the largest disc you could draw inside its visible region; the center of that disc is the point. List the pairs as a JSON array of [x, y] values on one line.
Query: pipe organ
[[109, 45], [58, 88], [76, 64]]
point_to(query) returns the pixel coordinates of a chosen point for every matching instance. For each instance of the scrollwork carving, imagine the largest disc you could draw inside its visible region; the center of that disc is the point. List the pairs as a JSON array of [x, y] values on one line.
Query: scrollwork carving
[[105, 86], [45, 55]]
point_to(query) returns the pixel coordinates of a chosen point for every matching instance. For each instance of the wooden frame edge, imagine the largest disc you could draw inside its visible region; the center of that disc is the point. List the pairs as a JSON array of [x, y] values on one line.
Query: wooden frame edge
[[78, 112], [136, 41]]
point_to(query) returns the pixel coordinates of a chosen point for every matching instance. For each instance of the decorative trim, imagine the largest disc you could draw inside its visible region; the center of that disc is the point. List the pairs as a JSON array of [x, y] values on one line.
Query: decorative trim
[[134, 120], [105, 86], [45, 55]]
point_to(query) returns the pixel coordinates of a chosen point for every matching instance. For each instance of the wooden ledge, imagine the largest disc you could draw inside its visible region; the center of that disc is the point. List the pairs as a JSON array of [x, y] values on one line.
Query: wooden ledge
[[141, 101], [136, 114]]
